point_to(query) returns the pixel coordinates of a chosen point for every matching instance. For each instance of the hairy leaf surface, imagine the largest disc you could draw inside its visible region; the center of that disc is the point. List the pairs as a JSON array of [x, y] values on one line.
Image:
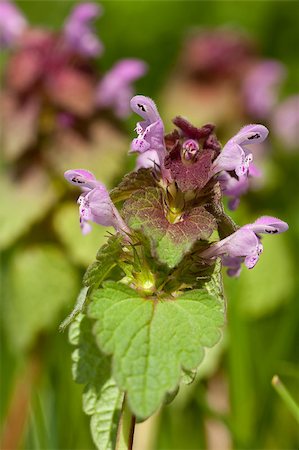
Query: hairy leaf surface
[[152, 340], [132, 182], [107, 258], [170, 241]]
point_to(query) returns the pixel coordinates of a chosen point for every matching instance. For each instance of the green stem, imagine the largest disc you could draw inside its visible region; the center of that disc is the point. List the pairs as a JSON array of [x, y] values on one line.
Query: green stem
[[126, 426], [286, 396]]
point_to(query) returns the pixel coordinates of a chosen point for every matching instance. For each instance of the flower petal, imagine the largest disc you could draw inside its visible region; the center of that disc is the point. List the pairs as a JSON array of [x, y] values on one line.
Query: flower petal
[[268, 225], [231, 157], [146, 108], [285, 122], [12, 24], [261, 87], [250, 134], [115, 89], [233, 187], [78, 29], [82, 178], [147, 159]]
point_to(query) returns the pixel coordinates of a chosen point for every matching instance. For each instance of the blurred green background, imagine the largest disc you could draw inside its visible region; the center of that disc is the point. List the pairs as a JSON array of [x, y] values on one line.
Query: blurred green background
[[232, 404]]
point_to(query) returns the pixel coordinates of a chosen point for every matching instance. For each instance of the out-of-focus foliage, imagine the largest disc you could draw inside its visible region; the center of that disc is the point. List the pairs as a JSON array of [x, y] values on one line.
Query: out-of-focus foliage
[[42, 276], [234, 399]]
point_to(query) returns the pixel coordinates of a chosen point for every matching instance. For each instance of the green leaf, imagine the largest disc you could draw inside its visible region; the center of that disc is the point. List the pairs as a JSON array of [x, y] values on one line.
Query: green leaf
[[170, 241], [193, 272], [152, 340], [101, 397], [40, 282], [107, 258], [132, 182], [214, 285]]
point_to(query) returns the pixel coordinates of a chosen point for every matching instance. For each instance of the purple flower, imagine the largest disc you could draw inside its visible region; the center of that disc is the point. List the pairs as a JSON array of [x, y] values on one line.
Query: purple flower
[[115, 89], [150, 131], [235, 155], [12, 24], [190, 149], [78, 29], [95, 204], [261, 87], [147, 159], [233, 188], [285, 122], [244, 245]]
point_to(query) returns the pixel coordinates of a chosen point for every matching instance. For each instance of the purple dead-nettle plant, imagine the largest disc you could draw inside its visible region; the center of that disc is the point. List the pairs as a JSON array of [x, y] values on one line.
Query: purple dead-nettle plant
[[153, 300], [61, 90]]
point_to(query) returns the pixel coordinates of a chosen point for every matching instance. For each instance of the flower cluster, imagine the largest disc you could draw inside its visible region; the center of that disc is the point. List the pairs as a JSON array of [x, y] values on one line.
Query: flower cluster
[[59, 86], [222, 54], [221, 76], [174, 198]]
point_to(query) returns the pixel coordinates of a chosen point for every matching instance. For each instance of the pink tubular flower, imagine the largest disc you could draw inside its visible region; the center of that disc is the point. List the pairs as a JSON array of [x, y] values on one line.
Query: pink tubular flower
[[95, 203], [235, 156], [285, 122], [150, 131], [115, 89], [78, 29], [244, 245], [12, 24], [261, 87]]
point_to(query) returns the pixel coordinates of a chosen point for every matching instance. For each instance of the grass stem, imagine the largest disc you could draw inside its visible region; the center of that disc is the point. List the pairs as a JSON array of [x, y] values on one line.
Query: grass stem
[[286, 396]]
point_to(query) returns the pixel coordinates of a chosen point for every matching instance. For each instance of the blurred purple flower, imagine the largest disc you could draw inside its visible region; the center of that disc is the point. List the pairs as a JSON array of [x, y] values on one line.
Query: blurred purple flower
[[115, 89], [244, 245], [285, 122], [261, 87], [55, 82], [235, 155], [150, 131], [79, 32], [12, 24], [95, 203], [217, 53]]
